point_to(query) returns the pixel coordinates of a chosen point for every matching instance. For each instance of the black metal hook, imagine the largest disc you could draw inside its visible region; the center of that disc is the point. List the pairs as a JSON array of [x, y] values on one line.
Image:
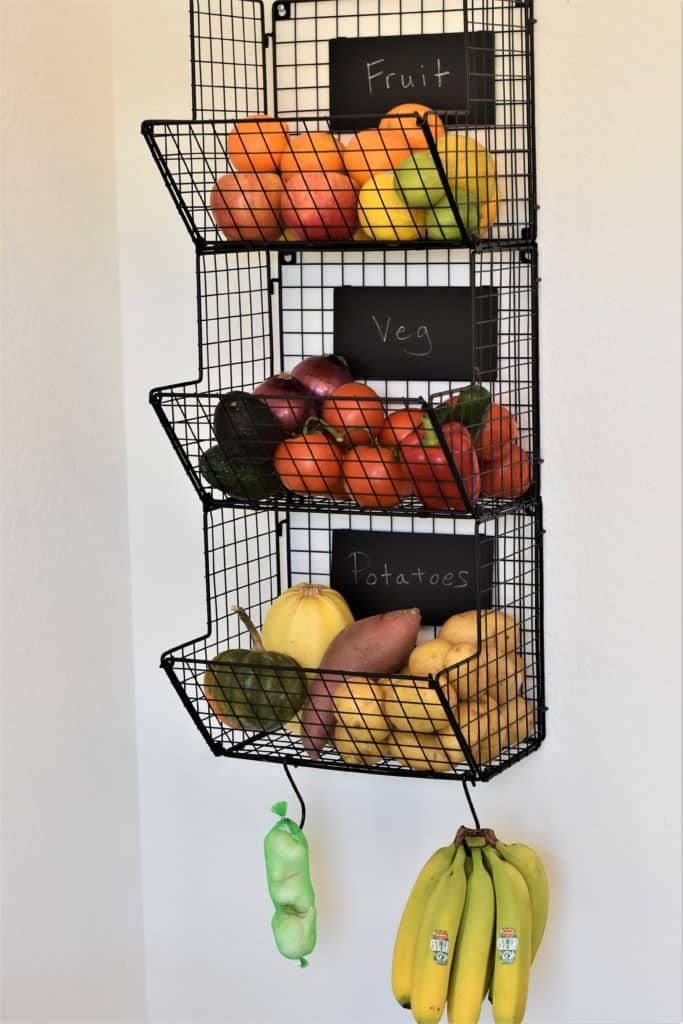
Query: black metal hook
[[469, 801], [298, 794]]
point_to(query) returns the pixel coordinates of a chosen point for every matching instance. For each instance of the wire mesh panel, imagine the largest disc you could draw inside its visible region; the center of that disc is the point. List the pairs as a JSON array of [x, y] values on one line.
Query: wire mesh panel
[[401, 443], [469, 720], [338, 162]]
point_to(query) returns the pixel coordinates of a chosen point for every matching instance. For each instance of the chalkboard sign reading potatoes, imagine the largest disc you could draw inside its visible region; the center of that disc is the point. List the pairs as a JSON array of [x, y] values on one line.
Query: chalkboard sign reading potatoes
[[417, 333], [370, 76], [379, 572]]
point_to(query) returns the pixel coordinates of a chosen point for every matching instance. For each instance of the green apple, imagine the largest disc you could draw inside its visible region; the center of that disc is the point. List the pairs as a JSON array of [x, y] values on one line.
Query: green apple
[[417, 180], [440, 219]]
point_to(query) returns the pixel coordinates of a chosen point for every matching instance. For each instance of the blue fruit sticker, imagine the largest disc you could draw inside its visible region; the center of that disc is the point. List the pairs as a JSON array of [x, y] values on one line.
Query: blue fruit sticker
[[507, 944], [440, 947]]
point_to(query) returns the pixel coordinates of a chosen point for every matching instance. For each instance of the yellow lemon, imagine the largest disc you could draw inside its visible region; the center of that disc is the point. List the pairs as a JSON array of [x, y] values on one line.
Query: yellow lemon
[[383, 214], [471, 168]]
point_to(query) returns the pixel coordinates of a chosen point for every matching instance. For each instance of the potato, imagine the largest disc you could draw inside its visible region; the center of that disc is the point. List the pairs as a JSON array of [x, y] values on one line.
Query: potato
[[504, 676], [358, 706], [414, 707], [426, 753], [519, 716], [378, 644], [485, 731], [464, 670], [354, 749], [428, 658], [497, 627]]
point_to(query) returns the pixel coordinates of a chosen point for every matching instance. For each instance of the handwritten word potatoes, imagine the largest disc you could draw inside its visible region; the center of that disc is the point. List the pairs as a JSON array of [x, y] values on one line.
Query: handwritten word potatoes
[[382, 78], [364, 573]]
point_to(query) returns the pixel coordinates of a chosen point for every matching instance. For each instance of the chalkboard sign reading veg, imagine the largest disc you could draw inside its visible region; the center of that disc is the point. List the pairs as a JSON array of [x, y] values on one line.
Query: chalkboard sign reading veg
[[417, 333], [375, 74], [380, 572]]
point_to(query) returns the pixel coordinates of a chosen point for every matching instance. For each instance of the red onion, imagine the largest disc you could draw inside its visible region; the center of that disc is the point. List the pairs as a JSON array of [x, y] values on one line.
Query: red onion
[[321, 375], [288, 400]]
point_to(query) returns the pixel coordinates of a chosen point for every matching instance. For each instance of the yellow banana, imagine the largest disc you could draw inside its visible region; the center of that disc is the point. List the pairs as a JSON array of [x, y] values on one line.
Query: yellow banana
[[469, 979], [436, 940], [512, 940], [404, 947], [529, 865]]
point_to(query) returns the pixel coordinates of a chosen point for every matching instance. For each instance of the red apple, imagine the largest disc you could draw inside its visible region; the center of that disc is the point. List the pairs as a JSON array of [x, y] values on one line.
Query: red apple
[[246, 206], [320, 206]]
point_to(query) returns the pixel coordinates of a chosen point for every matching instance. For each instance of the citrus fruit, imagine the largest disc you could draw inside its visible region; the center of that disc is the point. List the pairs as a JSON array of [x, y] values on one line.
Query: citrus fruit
[[384, 215], [257, 143], [403, 120], [372, 151], [311, 151]]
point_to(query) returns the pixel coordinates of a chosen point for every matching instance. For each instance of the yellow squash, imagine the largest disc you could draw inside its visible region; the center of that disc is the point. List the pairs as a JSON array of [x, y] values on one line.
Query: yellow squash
[[304, 621]]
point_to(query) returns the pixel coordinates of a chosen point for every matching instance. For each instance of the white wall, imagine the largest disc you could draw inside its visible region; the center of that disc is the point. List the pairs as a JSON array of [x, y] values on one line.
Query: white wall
[[600, 800], [72, 945]]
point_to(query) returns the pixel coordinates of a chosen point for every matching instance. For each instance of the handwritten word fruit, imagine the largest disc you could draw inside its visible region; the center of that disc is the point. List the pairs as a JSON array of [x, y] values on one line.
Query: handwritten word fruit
[[379, 644], [254, 689], [371, 152], [257, 143], [303, 621], [384, 215], [403, 119], [320, 206], [311, 151], [246, 206]]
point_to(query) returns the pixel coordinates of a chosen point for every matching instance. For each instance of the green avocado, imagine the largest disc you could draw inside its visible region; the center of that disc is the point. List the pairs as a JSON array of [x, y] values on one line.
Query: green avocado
[[251, 481]]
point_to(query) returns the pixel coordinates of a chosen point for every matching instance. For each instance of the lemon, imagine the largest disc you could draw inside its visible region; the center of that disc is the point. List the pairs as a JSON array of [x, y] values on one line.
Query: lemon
[[383, 214]]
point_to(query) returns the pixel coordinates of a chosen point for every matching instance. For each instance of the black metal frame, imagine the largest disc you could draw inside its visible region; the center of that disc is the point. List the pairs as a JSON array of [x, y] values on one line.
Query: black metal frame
[[244, 337]]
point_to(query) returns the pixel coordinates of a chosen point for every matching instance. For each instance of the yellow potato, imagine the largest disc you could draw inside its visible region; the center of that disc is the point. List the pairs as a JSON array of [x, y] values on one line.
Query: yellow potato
[[358, 706], [428, 658], [427, 753], [353, 747], [463, 667], [486, 731], [498, 628], [519, 716], [504, 675], [414, 707]]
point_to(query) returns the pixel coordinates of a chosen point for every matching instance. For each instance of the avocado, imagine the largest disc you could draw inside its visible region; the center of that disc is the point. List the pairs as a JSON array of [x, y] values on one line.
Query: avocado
[[241, 481], [246, 430]]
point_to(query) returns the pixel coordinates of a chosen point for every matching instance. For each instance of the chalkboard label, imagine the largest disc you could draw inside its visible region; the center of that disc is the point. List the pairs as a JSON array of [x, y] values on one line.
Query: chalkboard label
[[417, 333], [380, 572], [370, 76]]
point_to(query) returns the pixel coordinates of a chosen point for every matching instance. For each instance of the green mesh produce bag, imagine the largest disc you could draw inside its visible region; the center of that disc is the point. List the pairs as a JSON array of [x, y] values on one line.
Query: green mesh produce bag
[[290, 888]]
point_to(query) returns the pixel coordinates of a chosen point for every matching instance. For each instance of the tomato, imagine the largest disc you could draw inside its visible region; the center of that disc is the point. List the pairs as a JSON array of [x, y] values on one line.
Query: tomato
[[310, 464], [375, 477], [355, 410], [511, 476], [498, 431], [431, 474], [398, 425]]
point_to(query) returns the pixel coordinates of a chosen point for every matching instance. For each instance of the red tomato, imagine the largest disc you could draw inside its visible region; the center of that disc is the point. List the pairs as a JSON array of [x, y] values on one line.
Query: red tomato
[[355, 410], [374, 477], [398, 425], [499, 429], [428, 467], [511, 476], [310, 464]]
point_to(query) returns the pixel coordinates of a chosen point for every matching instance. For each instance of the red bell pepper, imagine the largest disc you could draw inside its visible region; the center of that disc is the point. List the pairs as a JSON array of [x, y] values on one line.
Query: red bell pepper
[[427, 463]]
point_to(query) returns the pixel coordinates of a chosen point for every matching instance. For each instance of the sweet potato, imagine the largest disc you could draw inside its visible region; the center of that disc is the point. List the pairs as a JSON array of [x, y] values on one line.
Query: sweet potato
[[378, 644]]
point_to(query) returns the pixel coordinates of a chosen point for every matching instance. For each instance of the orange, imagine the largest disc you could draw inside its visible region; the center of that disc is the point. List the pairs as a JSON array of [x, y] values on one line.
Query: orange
[[312, 151], [257, 143], [372, 151], [402, 119]]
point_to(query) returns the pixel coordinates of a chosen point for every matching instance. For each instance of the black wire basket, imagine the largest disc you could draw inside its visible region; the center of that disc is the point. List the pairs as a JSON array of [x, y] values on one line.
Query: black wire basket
[[468, 721], [331, 167], [404, 250]]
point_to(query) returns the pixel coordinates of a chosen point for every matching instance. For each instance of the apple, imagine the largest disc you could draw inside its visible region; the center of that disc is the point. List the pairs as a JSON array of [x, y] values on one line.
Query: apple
[[246, 206], [417, 180], [320, 206], [441, 223]]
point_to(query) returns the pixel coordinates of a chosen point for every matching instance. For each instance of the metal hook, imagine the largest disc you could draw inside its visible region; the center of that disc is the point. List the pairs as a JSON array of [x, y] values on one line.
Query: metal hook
[[469, 801], [298, 794]]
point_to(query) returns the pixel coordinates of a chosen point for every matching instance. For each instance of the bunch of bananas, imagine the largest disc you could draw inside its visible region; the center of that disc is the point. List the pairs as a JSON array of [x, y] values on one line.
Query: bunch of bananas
[[472, 925]]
